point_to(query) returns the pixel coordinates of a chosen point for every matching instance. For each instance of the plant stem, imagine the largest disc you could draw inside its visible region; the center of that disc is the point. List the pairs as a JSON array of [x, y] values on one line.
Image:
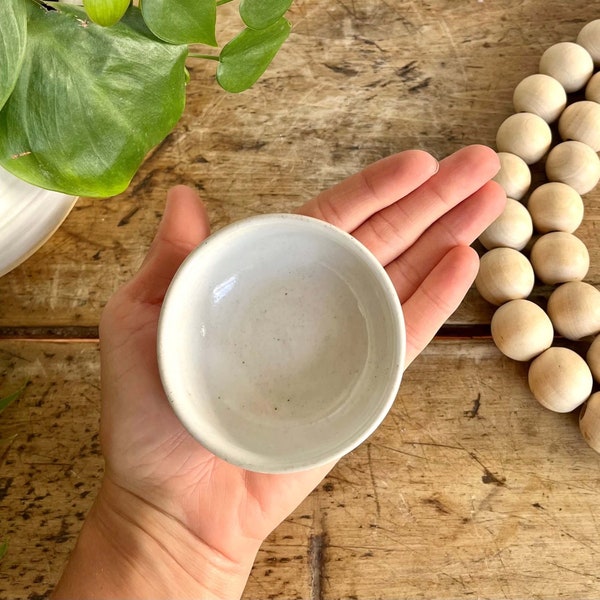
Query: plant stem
[[221, 2]]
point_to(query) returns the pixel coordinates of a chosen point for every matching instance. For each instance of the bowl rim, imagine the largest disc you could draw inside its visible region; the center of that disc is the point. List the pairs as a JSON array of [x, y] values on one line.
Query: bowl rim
[[246, 226]]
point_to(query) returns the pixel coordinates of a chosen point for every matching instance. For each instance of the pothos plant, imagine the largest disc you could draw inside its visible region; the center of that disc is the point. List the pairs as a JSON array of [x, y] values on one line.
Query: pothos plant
[[86, 91]]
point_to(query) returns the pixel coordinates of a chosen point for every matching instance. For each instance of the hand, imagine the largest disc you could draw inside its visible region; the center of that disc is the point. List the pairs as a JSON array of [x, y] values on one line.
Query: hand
[[178, 520]]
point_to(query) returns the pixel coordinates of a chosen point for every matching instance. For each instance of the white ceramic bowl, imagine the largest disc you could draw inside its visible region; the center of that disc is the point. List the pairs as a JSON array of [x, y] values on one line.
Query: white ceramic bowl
[[281, 343]]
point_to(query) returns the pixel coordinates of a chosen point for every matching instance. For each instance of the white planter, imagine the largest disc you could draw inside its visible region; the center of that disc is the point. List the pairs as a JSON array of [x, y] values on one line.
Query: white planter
[[29, 215]]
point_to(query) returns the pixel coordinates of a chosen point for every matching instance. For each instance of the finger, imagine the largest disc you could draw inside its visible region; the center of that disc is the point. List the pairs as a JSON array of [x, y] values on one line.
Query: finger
[[183, 226], [354, 200], [395, 228], [438, 297], [460, 227]]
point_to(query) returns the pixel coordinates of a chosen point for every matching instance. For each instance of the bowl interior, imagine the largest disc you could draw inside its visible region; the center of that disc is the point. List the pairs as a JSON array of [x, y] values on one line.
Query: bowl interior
[[281, 343]]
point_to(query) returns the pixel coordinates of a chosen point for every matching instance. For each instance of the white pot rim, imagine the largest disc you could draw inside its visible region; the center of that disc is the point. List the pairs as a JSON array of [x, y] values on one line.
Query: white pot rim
[[29, 216]]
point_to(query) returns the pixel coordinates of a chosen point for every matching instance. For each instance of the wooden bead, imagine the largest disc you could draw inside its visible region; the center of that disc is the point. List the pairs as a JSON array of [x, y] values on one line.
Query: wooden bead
[[569, 63], [593, 358], [504, 274], [521, 329], [558, 257], [541, 95], [592, 90], [575, 164], [512, 229], [525, 135], [514, 175], [574, 309], [560, 379], [589, 38], [589, 421], [581, 122], [555, 206]]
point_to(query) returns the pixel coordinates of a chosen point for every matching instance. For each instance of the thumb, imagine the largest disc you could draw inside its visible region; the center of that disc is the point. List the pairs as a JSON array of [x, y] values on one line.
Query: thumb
[[184, 225]]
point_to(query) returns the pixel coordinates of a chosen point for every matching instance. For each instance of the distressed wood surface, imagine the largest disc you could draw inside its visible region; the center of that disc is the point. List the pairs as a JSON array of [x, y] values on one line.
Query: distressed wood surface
[[358, 80], [469, 489]]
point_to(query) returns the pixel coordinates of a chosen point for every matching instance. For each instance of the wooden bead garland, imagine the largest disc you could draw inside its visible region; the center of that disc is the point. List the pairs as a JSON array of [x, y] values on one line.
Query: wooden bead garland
[[504, 274], [593, 358], [569, 63], [574, 309], [514, 175], [575, 164], [589, 38], [581, 122], [541, 95], [559, 378], [589, 421], [512, 229], [592, 89], [555, 206], [558, 257], [521, 329], [526, 135]]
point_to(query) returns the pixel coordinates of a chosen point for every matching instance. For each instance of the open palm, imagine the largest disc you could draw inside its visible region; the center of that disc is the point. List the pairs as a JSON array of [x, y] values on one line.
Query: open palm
[[416, 216]]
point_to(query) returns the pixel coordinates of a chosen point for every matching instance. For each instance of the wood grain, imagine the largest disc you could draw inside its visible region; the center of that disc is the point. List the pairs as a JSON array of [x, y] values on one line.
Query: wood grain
[[50, 469], [357, 80], [468, 489]]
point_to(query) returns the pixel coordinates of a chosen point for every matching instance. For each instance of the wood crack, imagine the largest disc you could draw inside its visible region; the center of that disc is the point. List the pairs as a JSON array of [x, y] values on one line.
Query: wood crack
[[51, 333], [90, 332], [316, 560]]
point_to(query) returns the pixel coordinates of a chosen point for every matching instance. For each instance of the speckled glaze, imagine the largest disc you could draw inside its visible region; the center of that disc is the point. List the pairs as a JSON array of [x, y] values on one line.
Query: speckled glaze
[[281, 343]]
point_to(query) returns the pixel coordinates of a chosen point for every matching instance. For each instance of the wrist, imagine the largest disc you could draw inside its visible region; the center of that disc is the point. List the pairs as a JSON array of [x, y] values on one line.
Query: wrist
[[129, 548]]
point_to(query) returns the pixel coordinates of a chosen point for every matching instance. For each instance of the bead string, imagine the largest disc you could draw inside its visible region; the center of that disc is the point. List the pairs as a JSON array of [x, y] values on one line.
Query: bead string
[[559, 378]]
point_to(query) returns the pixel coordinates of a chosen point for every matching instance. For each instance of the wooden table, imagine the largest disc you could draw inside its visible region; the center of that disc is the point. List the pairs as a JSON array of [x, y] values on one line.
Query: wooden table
[[469, 489]]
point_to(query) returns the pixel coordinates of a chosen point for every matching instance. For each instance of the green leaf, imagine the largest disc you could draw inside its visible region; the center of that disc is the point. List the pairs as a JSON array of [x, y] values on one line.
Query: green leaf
[[13, 38], [8, 400], [106, 12], [245, 58], [182, 21], [259, 14], [90, 102], [3, 548]]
